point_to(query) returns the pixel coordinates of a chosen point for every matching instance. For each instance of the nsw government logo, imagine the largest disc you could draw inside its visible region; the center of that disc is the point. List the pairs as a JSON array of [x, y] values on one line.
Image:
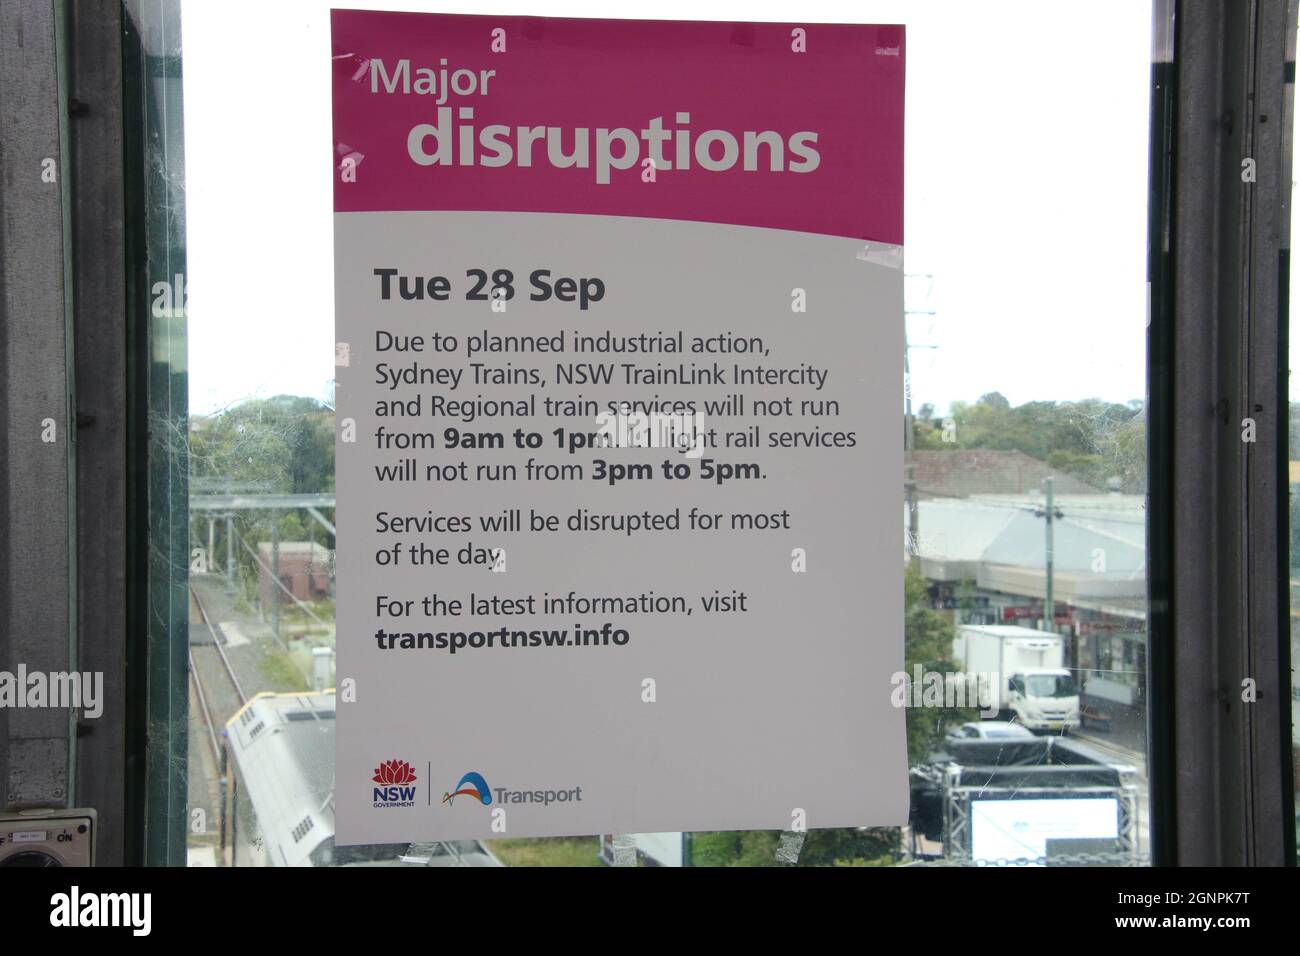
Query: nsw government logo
[[471, 785], [396, 782]]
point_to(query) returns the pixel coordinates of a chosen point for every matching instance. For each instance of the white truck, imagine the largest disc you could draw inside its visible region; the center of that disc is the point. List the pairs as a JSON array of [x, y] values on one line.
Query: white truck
[[1027, 673]]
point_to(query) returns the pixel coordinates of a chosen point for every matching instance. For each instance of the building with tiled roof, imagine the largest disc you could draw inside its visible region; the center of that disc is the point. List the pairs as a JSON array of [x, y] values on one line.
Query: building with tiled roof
[[963, 472]]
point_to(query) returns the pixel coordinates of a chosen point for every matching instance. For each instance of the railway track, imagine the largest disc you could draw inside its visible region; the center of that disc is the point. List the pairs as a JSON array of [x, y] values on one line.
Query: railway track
[[204, 693]]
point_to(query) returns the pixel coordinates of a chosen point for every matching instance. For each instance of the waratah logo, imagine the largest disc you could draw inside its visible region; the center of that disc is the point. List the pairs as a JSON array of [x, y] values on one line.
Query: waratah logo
[[471, 785], [397, 781]]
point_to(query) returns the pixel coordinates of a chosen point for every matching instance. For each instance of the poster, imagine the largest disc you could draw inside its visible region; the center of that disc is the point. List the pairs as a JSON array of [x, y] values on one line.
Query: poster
[[619, 461]]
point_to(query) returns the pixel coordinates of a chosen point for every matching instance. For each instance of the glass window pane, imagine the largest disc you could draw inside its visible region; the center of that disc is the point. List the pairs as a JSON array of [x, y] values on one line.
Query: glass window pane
[[1022, 508]]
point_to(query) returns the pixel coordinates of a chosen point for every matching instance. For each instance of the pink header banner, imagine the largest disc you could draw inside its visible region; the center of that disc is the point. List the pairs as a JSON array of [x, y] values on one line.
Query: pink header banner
[[779, 125]]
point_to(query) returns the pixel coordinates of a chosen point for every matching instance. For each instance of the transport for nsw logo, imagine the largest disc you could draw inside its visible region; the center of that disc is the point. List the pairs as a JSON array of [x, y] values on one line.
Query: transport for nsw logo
[[471, 785], [396, 782]]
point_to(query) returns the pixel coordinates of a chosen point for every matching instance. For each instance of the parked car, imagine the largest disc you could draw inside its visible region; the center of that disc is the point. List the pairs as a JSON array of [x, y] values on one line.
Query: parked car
[[990, 730]]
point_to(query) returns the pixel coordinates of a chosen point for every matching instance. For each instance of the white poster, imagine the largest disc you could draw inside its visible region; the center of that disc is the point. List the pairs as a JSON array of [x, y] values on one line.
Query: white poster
[[619, 312]]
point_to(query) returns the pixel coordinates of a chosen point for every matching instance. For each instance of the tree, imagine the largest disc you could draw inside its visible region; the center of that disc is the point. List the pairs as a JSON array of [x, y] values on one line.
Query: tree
[[927, 642], [283, 444], [844, 846], [1100, 443]]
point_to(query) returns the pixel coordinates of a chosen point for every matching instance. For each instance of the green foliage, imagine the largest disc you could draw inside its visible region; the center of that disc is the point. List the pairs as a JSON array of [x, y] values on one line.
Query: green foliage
[[735, 848], [280, 445], [927, 641], [547, 851], [284, 444], [1097, 442], [834, 847], [281, 673]]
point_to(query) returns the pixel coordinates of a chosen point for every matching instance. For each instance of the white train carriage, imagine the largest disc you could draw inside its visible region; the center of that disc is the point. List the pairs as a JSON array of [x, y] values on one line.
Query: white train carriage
[[277, 806]]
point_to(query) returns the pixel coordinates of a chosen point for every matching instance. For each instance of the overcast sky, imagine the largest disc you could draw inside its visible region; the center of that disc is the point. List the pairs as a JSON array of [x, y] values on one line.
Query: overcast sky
[[1026, 189]]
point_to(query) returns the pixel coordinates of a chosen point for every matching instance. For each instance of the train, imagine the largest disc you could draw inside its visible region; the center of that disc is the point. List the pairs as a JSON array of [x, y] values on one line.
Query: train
[[277, 793]]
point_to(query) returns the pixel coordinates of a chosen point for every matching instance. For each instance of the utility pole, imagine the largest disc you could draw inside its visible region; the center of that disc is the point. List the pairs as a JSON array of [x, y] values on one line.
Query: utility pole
[[909, 433], [275, 573], [230, 550], [909, 446], [1049, 602]]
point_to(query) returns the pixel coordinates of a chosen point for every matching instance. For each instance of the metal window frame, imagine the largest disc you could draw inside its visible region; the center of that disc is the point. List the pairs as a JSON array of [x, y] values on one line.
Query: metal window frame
[[99, 342], [37, 520], [81, 521], [1221, 792]]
